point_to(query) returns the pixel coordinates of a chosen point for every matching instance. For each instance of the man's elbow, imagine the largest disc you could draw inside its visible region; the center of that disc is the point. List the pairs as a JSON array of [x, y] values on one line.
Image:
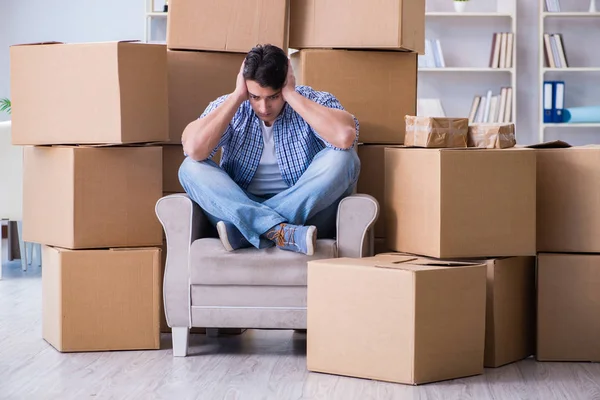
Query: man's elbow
[[347, 138], [194, 153]]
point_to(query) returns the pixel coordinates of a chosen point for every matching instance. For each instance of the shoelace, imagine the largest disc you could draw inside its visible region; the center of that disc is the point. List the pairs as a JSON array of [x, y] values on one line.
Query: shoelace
[[278, 236]]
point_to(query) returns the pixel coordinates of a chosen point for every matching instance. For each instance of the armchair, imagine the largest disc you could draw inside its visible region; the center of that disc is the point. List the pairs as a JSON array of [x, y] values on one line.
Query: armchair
[[206, 286]]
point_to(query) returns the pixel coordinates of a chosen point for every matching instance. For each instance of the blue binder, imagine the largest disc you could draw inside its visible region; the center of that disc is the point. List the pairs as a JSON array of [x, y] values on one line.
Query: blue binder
[[548, 101], [559, 101]]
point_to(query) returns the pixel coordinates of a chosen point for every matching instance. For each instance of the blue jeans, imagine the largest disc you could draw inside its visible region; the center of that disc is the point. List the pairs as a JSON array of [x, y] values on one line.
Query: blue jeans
[[313, 200]]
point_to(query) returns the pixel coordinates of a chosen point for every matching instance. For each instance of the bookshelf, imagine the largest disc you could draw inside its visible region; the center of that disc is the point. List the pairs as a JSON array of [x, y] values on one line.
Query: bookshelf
[[579, 79], [466, 41], [156, 22]]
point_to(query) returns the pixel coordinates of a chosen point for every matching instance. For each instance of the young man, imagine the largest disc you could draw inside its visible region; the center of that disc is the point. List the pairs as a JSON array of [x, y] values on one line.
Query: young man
[[287, 158]]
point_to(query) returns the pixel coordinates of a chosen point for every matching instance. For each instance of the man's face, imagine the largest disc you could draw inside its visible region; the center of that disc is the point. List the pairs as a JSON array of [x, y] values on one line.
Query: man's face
[[266, 102]]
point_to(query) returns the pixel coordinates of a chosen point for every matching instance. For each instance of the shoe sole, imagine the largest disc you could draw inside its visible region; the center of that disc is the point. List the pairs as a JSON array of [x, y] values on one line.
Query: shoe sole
[[311, 237], [222, 231]]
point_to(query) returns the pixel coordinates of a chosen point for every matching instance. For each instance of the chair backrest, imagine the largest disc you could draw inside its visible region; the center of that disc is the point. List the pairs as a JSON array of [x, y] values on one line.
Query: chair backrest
[[11, 176]]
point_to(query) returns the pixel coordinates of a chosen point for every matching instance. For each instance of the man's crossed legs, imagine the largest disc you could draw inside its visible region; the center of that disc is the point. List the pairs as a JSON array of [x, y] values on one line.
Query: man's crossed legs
[[289, 219]]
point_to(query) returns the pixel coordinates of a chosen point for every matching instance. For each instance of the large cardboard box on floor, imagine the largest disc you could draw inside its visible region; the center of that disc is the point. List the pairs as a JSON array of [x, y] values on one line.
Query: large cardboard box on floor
[[568, 212], [97, 300], [403, 319], [510, 310], [387, 24], [93, 93], [449, 203], [227, 25], [195, 78], [568, 300], [92, 197], [378, 87]]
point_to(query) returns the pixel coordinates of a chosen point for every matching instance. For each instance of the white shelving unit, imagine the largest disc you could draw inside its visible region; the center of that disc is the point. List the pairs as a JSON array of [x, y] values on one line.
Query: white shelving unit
[[544, 16], [497, 12], [152, 16]]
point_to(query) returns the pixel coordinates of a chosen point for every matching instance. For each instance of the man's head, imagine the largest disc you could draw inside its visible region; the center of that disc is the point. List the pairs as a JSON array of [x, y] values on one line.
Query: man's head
[[265, 71]]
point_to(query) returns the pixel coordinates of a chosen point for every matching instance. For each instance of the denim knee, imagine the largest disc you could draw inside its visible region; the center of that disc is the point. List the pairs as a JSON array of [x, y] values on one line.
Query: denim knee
[[340, 162], [192, 171]]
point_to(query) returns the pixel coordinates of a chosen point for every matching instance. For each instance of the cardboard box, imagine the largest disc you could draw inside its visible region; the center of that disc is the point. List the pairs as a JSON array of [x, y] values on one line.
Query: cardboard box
[[195, 79], [90, 197], [89, 93], [380, 246], [227, 25], [492, 136], [510, 310], [568, 300], [96, 300], [387, 25], [371, 179], [172, 158], [378, 87], [460, 203], [404, 319], [436, 132], [568, 216]]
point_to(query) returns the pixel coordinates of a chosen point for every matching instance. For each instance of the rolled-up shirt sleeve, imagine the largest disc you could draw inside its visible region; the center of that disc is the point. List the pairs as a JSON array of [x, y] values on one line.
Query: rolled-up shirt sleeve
[[228, 132], [328, 100]]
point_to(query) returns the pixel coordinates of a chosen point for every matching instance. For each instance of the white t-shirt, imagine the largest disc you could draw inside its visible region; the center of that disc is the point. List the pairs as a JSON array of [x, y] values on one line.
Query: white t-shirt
[[267, 179]]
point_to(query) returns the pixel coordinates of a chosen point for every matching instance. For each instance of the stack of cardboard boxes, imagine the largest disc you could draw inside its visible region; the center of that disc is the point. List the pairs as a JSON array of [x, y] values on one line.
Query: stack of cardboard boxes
[[88, 191], [406, 318], [102, 127], [475, 205], [568, 286], [372, 71], [207, 43]]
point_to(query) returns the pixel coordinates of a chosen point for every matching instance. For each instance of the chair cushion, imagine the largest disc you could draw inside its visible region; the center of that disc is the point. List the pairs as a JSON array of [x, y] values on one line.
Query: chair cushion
[[211, 264]]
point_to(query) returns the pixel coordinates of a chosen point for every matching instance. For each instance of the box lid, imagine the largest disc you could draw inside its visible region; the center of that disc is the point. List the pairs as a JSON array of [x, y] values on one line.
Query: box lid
[[398, 262]]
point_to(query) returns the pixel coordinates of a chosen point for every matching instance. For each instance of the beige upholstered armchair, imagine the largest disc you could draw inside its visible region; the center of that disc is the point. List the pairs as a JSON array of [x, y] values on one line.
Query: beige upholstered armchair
[[206, 286]]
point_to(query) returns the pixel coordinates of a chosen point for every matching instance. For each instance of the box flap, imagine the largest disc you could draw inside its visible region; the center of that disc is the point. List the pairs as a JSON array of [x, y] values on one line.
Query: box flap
[[555, 144], [36, 44], [405, 262]]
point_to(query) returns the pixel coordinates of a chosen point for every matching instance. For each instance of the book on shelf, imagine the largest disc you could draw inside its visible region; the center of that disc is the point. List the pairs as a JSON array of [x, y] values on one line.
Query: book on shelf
[[492, 108], [502, 52], [552, 5], [554, 51], [433, 57], [430, 108]]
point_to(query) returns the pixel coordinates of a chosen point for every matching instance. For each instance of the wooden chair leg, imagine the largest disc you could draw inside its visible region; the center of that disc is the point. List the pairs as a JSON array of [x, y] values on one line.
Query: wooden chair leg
[[180, 337]]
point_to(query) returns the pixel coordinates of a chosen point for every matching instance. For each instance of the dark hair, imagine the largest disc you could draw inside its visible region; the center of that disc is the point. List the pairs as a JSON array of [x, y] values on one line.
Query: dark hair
[[267, 65]]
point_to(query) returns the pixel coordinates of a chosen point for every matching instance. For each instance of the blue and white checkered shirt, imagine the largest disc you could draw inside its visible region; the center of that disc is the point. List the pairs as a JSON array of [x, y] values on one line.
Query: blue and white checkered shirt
[[296, 142]]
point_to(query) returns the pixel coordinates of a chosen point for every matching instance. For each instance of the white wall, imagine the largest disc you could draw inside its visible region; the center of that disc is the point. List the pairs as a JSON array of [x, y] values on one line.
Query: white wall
[[23, 21]]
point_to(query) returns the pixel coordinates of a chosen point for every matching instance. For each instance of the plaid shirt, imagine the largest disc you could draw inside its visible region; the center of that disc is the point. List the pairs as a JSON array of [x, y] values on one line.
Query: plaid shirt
[[296, 142]]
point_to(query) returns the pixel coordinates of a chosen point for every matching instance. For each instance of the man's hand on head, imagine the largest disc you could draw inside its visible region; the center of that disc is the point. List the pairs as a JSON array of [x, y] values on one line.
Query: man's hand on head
[[241, 90], [290, 82]]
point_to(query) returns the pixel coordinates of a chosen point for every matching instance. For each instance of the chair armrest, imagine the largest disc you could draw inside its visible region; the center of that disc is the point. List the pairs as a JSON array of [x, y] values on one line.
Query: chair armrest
[[183, 222], [356, 218]]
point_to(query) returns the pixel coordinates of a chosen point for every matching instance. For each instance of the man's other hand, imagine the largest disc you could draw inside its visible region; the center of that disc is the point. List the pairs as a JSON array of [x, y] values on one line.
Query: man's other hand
[[241, 90], [290, 82]]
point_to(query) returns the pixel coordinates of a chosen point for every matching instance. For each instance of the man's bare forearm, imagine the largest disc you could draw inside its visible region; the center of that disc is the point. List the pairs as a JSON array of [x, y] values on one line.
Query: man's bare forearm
[[335, 126], [200, 137]]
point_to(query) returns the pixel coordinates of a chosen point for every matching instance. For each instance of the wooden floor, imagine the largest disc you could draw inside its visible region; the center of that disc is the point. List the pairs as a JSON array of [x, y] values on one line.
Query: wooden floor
[[255, 365]]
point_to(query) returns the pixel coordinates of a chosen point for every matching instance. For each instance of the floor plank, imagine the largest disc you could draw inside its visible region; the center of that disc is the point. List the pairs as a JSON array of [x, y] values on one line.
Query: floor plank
[[255, 365]]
